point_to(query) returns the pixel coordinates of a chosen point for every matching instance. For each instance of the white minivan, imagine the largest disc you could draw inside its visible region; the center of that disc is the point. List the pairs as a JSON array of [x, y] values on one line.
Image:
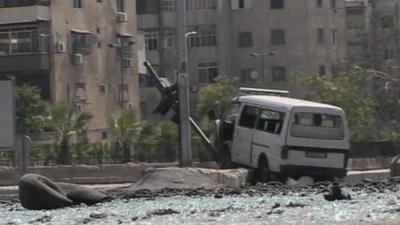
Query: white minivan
[[286, 136]]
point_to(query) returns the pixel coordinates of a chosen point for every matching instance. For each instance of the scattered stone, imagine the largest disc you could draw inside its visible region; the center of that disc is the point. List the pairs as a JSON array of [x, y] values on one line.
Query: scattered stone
[[367, 180], [306, 181], [295, 205], [43, 219], [336, 193], [214, 214], [276, 205], [98, 215]]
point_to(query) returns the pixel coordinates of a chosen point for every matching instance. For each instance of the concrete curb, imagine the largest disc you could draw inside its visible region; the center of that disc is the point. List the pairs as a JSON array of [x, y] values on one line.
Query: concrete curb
[[233, 178], [359, 176]]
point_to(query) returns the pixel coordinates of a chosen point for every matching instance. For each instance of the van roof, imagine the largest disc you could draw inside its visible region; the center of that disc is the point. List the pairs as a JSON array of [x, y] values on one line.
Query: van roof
[[285, 102]]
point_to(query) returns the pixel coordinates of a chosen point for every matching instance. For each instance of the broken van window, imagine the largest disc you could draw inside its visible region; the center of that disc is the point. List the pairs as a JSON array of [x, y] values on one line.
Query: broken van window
[[270, 121], [318, 126]]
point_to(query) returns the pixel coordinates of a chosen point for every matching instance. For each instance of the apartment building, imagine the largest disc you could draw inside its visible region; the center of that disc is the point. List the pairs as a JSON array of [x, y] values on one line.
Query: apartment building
[[372, 28], [79, 52], [253, 41]]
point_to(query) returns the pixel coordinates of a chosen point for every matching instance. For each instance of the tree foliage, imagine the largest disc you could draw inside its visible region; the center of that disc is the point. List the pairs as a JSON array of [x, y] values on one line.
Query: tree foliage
[[66, 120], [31, 109], [217, 96], [349, 91], [126, 128]]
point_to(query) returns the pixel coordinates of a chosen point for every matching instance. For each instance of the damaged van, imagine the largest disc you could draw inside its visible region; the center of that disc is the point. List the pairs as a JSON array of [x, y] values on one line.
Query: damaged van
[[281, 136]]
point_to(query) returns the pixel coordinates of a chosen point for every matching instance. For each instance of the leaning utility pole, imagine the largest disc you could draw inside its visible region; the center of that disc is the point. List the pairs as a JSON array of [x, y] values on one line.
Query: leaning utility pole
[[183, 86]]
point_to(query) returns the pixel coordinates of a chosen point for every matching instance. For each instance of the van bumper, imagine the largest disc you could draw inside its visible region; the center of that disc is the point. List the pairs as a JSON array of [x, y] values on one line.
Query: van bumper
[[313, 171]]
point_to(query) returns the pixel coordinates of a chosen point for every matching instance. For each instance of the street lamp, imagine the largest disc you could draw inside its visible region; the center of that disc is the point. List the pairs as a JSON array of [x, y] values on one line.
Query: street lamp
[[120, 47], [262, 56]]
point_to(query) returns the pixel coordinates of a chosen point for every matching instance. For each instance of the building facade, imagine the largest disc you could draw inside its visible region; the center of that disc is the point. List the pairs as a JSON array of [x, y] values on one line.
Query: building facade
[[372, 28], [256, 42], [77, 52]]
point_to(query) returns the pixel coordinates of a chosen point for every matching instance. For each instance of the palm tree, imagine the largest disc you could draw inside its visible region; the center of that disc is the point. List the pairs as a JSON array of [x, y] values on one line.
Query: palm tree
[[66, 120], [126, 128]]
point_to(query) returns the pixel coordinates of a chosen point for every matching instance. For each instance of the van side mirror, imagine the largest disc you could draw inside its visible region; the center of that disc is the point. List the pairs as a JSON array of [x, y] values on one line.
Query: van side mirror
[[211, 115]]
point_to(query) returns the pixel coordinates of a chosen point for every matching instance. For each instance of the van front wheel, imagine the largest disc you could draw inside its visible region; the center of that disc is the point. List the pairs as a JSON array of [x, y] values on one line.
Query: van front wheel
[[262, 173]]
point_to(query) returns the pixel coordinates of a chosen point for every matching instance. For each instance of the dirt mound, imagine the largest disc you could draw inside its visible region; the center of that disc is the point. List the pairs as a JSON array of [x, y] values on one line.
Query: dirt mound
[[172, 178]]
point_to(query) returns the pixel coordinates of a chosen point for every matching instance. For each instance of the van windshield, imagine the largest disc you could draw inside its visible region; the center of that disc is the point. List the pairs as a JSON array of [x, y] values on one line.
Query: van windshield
[[317, 126]]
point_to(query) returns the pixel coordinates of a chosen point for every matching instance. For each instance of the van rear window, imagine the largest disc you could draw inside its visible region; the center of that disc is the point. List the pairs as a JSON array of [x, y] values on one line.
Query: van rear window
[[317, 126]]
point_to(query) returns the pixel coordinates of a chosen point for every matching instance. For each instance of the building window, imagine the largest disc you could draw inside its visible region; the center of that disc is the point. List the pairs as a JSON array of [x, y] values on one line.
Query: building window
[[207, 36], [146, 6], [333, 37], [333, 4], [146, 80], [319, 3], [167, 5], [389, 53], [192, 5], [355, 17], [278, 73], [123, 93], [245, 39], [120, 5], [80, 93], [322, 70], [77, 3], [22, 40], [81, 43], [277, 4], [241, 4], [102, 89], [387, 21], [320, 36], [248, 75], [104, 135], [207, 72], [278, 37], [151, 41], [21, 3]]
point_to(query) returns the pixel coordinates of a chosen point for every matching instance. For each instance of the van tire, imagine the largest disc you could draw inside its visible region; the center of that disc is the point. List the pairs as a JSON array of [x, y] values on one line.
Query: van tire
[[262, 173]]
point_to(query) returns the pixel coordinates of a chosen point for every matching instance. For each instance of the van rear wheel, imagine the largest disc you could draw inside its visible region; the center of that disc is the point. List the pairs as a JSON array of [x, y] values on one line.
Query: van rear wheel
[[262, 173]]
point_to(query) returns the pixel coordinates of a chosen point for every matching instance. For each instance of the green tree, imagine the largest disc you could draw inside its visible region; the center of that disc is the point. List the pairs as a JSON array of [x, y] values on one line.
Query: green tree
[[217, 96], [31, 109], [126, 128], [66, 120], [168, 142], [349, 90]]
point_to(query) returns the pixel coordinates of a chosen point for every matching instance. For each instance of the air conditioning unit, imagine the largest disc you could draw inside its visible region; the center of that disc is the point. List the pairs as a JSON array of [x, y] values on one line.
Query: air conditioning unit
[[127, 62], [122, 17], [78, 59], [61, 47]]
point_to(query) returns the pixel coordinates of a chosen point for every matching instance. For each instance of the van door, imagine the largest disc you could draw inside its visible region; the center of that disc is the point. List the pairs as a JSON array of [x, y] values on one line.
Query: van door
[[242, 138], [268, 138]]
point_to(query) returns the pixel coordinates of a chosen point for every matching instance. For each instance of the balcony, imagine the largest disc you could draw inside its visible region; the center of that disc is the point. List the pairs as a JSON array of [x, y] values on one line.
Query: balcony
[[11, 15], [28, 62]]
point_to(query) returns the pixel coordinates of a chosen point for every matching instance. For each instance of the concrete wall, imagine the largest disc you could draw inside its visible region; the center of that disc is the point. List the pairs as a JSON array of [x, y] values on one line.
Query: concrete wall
[[83, 174]]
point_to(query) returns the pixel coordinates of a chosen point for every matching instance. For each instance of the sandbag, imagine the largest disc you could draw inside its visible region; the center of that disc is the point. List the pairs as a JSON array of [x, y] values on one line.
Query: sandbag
[[38, 192], [81, 194]]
